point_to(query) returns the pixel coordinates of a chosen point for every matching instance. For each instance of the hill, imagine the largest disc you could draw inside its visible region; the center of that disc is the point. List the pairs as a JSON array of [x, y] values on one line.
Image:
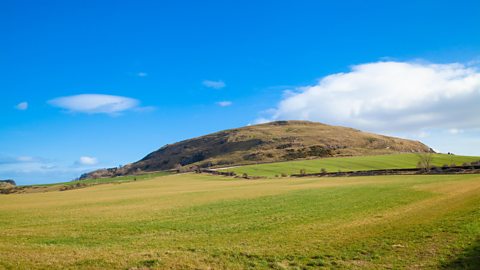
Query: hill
[[270, 142]]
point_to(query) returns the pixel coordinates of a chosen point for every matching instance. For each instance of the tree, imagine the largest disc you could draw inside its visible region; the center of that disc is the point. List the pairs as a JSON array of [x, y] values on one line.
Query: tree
[[425, 161]]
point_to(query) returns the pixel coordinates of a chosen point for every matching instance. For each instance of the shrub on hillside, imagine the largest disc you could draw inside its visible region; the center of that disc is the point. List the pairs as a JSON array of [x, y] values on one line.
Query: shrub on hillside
[[319, 151]]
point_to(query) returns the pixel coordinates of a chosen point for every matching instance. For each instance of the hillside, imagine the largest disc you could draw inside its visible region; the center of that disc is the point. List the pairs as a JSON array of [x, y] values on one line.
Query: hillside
[[270, 142]]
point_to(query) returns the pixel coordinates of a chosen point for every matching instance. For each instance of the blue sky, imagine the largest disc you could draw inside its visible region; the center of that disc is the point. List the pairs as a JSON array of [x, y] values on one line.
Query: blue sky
[[161, 71]]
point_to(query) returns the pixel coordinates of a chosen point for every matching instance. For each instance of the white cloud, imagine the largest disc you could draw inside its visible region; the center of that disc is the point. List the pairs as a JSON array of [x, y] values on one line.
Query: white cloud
[[22, 106], [214, 84], [16, 160], [224, 103], [95, 103], [87, 161], [142, 74], [390, 96]]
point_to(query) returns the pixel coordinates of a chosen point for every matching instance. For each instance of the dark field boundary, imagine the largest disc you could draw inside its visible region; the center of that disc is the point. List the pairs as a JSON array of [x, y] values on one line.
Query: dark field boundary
[[471, 169]]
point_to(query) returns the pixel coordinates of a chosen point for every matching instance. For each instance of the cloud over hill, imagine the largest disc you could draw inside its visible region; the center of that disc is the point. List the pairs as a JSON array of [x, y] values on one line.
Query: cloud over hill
[[390, 96]]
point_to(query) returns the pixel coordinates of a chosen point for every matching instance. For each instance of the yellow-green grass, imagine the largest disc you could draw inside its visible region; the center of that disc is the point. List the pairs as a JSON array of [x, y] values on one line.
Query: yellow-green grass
[[191, 221], [360, 163], [107, 180]]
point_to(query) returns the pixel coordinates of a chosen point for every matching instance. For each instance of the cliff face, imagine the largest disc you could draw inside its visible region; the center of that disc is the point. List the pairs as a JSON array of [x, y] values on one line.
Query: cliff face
[[270, 142]]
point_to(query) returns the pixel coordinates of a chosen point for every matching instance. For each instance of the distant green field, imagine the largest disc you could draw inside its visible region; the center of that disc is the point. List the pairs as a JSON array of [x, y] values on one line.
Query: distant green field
[[62, 186], [194, 221], [118, 179], [396, 161]]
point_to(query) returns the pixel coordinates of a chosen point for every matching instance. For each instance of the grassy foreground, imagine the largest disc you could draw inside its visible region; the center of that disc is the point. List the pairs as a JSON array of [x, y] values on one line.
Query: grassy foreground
[[193, 221], [360, 163]]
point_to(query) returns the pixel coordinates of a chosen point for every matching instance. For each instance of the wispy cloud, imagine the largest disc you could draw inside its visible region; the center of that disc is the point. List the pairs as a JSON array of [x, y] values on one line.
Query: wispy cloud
[[95, 103], [23, 169], [142, 74], [422, 134], [224, 103], [455, 131], [145, 109], [24, 164], [22, 106], [19, 159], [25, 159], [214, 84]]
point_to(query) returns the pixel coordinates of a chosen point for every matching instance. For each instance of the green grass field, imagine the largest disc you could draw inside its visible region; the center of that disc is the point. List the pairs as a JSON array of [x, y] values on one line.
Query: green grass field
[[360, 163], [192, 221]]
